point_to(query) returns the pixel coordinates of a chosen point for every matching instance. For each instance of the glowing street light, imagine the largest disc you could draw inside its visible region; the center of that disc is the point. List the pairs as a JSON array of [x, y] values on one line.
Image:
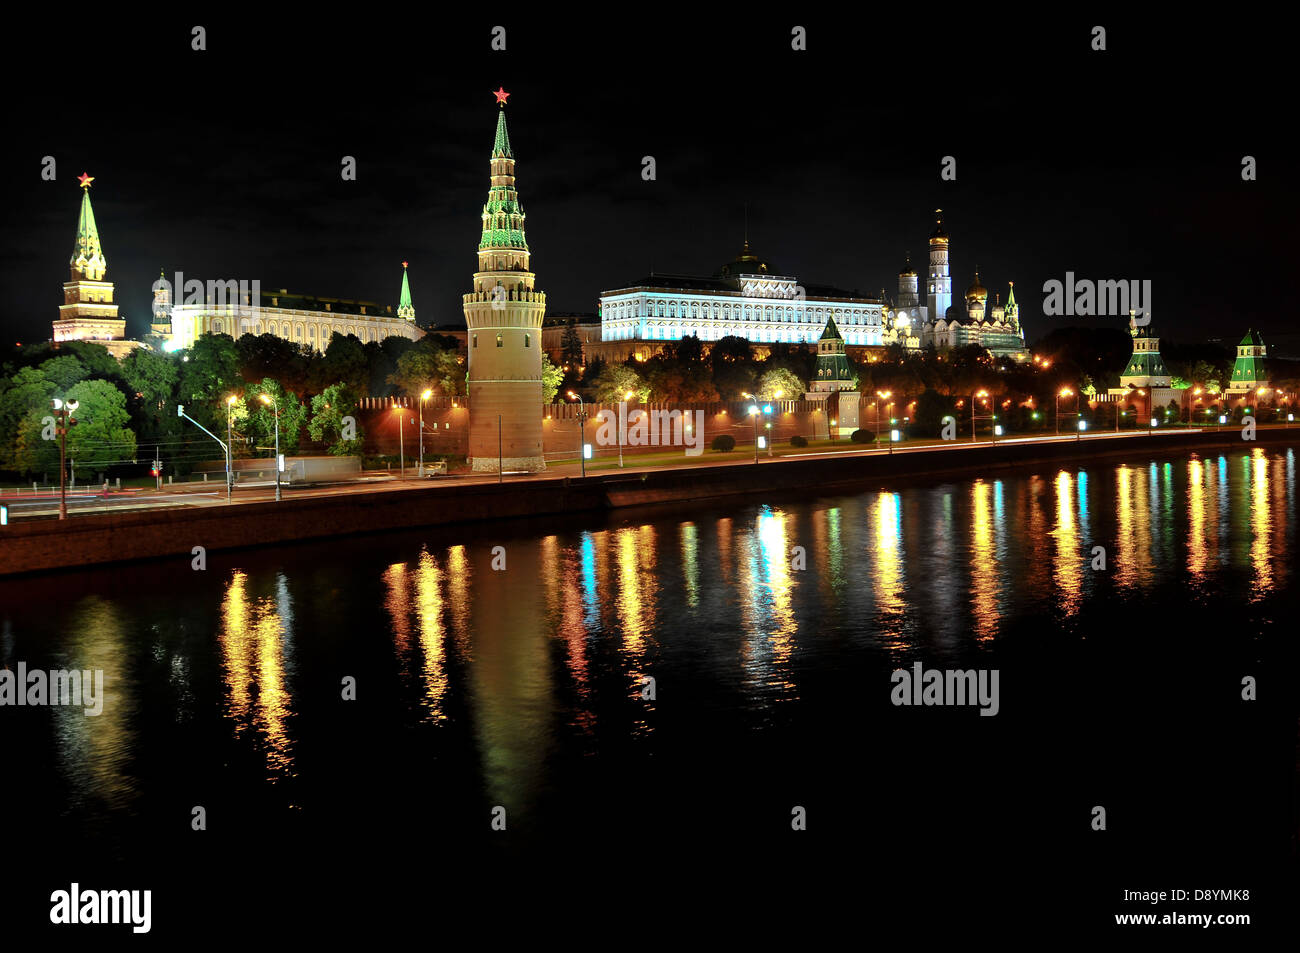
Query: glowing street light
[[1064, 392], [268, 399], [423, 397], [982, 393], [626, 397], [63, 419]]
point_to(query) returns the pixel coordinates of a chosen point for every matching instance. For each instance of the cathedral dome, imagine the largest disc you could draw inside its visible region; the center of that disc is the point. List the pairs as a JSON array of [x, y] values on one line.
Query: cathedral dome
[[977, 290], [746, 263], [907, 271]]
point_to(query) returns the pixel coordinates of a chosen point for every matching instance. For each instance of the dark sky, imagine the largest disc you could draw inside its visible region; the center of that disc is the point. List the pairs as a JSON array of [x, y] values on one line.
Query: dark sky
[[225, 164]]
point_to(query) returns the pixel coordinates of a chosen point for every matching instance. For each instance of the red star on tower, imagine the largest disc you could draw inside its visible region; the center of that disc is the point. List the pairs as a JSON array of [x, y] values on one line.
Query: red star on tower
[[501, 95], [85, 180]]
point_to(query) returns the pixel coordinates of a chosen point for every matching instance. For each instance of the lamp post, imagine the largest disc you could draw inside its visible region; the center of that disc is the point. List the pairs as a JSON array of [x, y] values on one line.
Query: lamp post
[[63, 419], [423, 397], [982, 393], [268, 399], [230, 446], [626, 397], [1063, 392], [582, 443], [753, 414], [880, 395]]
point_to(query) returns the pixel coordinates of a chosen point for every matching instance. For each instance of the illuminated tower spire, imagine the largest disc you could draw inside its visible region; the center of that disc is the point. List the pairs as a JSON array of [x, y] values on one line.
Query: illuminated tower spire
[[405, 309], [88, 312], [88, 259], [503, 315]]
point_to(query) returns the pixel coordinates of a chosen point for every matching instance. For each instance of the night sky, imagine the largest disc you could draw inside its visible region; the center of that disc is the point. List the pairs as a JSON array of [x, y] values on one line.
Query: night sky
[[225, 164]]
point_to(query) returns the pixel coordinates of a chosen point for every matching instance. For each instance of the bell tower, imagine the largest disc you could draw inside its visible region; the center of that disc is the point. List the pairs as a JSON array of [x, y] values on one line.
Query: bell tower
[[88, 312], [503, 315]]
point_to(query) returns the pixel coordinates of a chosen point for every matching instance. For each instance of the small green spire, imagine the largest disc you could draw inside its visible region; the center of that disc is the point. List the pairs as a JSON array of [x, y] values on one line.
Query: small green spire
[[831, 333], [405, 309], [501, 148], [1011, 298]]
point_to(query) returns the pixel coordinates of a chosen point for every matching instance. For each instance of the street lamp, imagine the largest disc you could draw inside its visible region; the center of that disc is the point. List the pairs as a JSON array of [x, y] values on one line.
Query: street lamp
[[582, 443], [63, 419], [401, 443], [1064, 392], [626, 397], [982, 393], [881, 395], [230, 446], [268, 399], [423, 397]]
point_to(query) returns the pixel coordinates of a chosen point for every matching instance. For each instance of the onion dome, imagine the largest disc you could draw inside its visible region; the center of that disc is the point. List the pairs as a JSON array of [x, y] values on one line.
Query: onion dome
[[977, 290], [908, 271]]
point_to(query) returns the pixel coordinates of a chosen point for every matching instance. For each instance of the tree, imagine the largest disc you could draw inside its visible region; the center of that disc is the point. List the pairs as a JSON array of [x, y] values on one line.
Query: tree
[[429, 364], [99, 439], [345, 362], [552, 378], [26, 393], [571, 345], [780, 381], [328, 409], [614, 382], [261, 417], [931, 408], [63, 371], [209, 373], [731, 349], [153, 379], [681, 382]]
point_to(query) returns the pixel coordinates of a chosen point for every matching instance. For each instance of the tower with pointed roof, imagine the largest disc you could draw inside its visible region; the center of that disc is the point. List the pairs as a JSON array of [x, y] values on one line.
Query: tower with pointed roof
[[1248, 372], [939, 281], [405, 308], [503, 315], [88, 312], [1145, 366], [833, 370], [161, 326]]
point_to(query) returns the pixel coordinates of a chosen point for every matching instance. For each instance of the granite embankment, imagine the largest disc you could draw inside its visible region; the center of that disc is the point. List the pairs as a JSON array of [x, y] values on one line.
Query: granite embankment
[[43, 545]]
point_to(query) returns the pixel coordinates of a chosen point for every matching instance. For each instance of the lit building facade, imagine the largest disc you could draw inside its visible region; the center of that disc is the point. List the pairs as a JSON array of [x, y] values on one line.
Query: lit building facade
[[303, 319], [1145, 381], [503, 318], [745, 298]]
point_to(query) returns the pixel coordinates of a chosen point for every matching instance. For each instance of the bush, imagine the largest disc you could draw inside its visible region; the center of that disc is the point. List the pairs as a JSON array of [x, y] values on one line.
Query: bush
[[862, 436], [798, 441], [723, 443]]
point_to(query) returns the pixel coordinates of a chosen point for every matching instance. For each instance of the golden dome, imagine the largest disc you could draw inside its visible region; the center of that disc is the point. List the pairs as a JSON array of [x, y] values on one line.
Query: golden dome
[[977, 290]]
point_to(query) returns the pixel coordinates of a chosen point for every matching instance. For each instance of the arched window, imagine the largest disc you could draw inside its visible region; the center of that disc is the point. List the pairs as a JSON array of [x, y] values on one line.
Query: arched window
[[476, 340], [528, 340], [500, 342]]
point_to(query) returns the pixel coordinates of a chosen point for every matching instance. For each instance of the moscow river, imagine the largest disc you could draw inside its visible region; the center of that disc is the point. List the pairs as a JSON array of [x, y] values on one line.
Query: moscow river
[[517, 678]]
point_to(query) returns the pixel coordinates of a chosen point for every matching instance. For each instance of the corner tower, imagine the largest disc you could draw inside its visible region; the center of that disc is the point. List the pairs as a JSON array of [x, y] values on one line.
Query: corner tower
[[88, 312], [503, 315], [405, 308], [940, 281]]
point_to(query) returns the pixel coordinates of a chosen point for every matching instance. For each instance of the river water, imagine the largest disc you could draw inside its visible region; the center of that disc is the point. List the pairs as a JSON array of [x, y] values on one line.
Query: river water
[[516, 678]]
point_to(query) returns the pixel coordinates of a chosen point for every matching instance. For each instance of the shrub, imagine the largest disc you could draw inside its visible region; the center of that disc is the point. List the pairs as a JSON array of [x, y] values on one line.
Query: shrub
[[862, 436], [798, 441], [723, 443]]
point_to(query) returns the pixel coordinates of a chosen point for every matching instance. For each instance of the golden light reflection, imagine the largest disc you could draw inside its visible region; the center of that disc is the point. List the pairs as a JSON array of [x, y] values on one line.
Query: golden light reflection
[[984, 577], [251, 640], [887, 571], [1261, 517], [1132, 559], [1066, 567], [690, 542], [1197, 557]]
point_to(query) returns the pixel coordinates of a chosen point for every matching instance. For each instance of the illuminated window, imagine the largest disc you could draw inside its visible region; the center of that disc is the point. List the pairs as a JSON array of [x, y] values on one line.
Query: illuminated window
[[528, 340], [500, 343], [476, 340]]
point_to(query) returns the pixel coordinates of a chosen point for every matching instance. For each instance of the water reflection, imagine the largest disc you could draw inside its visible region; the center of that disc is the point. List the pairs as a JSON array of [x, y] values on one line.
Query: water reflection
[[253, 644]]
